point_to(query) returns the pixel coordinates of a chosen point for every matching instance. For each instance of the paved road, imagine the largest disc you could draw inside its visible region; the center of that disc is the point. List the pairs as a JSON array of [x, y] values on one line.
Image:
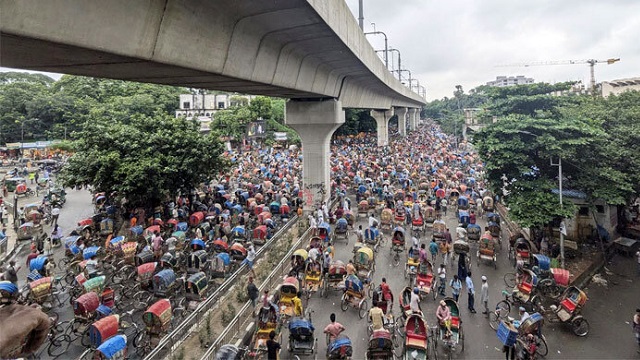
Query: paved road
[[480, 340], [78, 206]]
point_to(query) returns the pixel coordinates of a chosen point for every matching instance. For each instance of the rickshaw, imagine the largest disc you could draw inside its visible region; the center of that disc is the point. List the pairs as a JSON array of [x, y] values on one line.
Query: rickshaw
[[274, 207], [554, 285], [129, 252], [386, 219], [456, 335], [334, 278], [263, 217], [493, 217], [145, 274], [341, 230], [454, 195], [354, 296], [170, 261], [40, 292], [40, 265], [196, 289], [487, 204], [411, 267], [220, 266], [288, 290], [397, 244], [220, 246], [494, 229], [238, 234], [530, 333], [567, 310], [298, 261], [416, 338], [101, 330], [525, 286], [363, 208], [316, 242], [351, 220], [29, 231], [487, 251], [380, 346], [463, 203], [238, 253], [301, 340], [143, 257], [114, 348], [164, 283], [404, 301], [324, 232], [312, 278], [463, 218], [196, 218], [157, 320], [372, 237], [399, 216], [340, 348], [365, 264], [524, 252], [267, 322], [259, 235], [227, 352], [84, 312], [197, 262], [541, 265], [473, 232], [425, 279], [197, 244], [418, 226], [114, 246], [56, 196], [106, 226]]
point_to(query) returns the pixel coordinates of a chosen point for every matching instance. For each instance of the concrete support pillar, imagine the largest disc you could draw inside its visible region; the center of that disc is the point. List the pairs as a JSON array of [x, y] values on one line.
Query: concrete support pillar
[[413, 124], [402, 121], [315, 121], [382, 120]]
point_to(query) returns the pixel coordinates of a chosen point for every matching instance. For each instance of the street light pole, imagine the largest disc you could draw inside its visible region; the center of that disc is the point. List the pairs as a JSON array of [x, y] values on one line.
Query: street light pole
[[399, 62], [386, 46], [360, 15]]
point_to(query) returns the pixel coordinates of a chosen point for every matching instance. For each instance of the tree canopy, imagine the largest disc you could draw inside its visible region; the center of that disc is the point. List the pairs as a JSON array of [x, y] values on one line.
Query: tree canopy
[[145, 159], [536, 129]]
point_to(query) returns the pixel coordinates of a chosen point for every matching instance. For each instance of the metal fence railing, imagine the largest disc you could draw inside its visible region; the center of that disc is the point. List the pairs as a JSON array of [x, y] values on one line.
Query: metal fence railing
[[174, 339], [245, 314]]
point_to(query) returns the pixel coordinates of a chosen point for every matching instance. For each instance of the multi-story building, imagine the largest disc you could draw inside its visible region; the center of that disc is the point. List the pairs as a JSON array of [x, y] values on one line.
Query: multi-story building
[[617, 87], [204, 106], [509, 81]]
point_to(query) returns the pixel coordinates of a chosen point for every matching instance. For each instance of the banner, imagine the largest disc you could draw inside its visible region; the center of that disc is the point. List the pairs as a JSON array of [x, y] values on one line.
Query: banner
[[280, 136]]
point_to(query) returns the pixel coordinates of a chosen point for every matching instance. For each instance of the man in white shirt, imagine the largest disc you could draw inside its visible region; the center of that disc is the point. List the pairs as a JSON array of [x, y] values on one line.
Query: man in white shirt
[[461, 232], [313, 254], [55, 214], [313, 225], [471, 292], [414, 304], [373, 222], [251, 256]]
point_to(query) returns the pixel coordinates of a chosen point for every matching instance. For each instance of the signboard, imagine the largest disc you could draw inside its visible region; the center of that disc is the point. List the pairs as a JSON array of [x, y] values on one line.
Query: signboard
[[256, 129], [280, 136]]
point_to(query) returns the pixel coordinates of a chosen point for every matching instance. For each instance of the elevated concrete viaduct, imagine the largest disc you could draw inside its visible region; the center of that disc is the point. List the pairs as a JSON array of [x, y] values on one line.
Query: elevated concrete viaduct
[[310, 51]]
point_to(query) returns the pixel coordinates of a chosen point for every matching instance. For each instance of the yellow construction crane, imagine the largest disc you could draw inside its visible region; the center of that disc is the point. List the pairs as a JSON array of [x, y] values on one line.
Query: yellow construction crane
[[591, 62]]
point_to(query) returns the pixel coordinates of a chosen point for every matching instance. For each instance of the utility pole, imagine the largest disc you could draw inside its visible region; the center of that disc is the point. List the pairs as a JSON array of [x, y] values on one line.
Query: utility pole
[[562, 226], [360, 15]]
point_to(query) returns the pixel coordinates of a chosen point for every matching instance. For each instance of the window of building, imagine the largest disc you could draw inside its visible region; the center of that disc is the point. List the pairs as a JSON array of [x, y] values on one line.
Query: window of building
[[600, 209], [220, 104], [583, 211], [186, 105]]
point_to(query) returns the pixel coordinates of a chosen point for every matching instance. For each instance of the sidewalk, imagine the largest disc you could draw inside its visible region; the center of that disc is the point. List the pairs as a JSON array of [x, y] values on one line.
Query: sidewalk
[[13, 245]]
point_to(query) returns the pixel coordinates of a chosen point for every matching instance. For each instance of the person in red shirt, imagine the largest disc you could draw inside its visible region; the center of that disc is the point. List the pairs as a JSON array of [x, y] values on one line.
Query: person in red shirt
[[334, 328], [31, 256]]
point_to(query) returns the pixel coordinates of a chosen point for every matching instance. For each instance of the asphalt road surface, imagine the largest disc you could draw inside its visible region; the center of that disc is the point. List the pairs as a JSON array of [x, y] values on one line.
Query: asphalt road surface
[[480, 340]]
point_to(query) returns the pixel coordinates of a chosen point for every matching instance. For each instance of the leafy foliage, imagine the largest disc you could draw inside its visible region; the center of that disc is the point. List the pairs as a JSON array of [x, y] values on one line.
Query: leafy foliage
[[145, 160]]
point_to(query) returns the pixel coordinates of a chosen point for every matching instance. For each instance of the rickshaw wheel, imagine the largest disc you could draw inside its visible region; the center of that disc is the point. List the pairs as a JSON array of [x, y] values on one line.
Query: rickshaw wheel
[[494, 320], [580, 326], [58, 345], [400, 326], [85, 340], [344, 305], [541, 347], [503, 308], [510, 280], [362, 309]]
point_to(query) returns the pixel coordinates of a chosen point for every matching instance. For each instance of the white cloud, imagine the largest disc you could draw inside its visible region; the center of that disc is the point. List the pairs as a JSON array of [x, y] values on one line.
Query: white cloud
[[445, 43]]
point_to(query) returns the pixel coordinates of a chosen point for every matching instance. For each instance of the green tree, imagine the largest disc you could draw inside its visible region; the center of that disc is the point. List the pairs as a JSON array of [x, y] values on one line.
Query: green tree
[[145, 160]]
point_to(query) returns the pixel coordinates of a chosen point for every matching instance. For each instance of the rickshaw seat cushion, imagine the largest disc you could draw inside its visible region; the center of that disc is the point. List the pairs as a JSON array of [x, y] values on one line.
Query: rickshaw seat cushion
[[525, 288], [415, 340], [568, 304], [486, 252], [455, 322]]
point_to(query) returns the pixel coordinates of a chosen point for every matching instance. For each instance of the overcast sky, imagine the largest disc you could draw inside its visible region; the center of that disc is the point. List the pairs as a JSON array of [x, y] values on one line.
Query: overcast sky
[[445, 43]]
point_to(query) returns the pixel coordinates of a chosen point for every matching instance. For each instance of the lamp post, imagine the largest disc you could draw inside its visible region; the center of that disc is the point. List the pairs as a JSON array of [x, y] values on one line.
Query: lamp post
[[410, 79], [562, 227], [386, 45], [399, 61]]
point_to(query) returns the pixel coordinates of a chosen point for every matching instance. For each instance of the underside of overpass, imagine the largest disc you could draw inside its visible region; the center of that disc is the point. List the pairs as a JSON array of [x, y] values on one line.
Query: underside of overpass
[[295, 49]]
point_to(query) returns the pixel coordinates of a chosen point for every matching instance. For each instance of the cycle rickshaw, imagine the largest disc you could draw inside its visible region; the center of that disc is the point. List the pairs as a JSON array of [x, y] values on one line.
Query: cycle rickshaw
[[334, 278], [354, 296]]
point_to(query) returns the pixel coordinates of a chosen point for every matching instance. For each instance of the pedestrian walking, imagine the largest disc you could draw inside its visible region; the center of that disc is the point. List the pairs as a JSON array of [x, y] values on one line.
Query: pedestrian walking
[[433, 249], [484, 295], [456, 286], [11, 272], [253, 293], [471, 292], [442, 277], [251, 256], [445, 245]]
